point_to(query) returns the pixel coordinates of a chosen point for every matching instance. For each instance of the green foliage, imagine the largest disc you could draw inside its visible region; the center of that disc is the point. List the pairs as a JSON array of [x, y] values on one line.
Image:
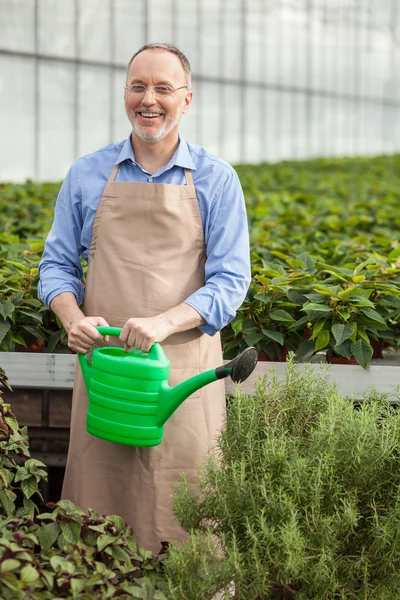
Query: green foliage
[[303, 500], [325, 252], [63, 552]]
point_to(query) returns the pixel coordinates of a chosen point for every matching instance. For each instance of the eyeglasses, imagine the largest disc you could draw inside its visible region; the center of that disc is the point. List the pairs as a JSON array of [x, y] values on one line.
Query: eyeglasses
[[158, 90]]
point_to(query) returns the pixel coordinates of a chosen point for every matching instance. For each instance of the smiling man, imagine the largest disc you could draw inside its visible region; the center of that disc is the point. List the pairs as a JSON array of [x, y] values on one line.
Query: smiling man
[[162, 224]]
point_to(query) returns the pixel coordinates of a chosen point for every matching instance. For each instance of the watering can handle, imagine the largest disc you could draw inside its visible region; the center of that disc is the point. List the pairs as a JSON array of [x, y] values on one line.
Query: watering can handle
[[113, 331]]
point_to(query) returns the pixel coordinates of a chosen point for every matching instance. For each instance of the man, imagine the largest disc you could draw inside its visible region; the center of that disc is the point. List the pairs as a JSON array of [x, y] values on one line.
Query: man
[[163, 226]]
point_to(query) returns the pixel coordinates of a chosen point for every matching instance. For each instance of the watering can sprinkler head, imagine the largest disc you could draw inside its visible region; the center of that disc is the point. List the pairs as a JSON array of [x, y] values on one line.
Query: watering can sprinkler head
[[240, 367], [129, 396]]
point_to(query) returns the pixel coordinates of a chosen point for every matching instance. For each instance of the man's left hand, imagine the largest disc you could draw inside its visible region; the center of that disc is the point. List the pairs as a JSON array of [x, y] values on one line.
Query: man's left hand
[[143, 333]]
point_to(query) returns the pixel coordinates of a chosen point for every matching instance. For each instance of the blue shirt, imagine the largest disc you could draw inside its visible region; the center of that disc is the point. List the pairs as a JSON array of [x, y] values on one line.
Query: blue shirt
[[222, 209]]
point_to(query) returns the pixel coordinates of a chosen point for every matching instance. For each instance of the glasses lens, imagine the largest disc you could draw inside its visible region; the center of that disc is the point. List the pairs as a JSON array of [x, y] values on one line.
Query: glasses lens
[[162, 90], [138, 89]]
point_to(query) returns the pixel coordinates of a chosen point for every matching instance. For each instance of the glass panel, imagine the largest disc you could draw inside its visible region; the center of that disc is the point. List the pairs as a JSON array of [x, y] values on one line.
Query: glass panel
[[56, 119], [252, 124], [160, 23], [94, 106], [231, 118], [94, 30], [210, 117], [190, 125], [129, 29], [17, 118], [17, 25], [121, 125], [268, 130], [209, 28], [303, 119], [56, 23], [232, 40], [253, 35], [185, 28], [271, 36]]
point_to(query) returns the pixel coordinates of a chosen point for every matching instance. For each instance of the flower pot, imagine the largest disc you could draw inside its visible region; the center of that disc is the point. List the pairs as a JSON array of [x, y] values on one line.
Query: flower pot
[[279, 356], [341, 360], [377, 346]]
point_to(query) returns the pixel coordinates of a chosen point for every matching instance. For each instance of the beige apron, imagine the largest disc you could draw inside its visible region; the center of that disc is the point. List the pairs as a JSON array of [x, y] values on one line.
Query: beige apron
[[147, 255]]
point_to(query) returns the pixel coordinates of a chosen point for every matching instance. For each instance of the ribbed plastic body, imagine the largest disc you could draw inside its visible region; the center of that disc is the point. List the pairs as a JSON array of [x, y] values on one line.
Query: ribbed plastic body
[[124, 395]]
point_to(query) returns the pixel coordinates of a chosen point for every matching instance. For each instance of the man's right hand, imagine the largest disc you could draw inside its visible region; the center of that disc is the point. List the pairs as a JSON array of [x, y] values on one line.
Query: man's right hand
[[82, 335]]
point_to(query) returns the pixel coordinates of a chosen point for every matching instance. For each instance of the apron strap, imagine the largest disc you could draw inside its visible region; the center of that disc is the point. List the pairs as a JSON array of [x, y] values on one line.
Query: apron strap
[[189, 177], [113, 175]]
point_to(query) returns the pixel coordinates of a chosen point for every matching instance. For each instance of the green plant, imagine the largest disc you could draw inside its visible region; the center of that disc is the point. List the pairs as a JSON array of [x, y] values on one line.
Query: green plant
[[24, 321], [306, 305], [304, 492], [63, 552]]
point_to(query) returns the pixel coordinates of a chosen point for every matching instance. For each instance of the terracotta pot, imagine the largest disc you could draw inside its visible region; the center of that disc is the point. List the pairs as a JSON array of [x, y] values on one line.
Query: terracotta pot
[[341, 360], [377, 346], [279, 356]]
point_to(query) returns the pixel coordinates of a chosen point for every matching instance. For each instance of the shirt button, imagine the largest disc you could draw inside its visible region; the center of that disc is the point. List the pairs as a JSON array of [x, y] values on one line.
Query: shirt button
[[150, 179]]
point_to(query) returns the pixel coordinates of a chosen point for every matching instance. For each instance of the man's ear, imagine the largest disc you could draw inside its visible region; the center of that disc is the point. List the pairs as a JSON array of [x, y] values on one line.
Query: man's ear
[[187, 102]]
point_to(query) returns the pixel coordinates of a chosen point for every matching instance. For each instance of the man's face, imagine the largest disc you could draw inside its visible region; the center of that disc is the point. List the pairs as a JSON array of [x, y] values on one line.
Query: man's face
[[153, 117]]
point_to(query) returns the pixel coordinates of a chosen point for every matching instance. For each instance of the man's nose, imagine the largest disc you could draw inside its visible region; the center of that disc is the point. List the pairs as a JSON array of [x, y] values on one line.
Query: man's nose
[[148, 95]]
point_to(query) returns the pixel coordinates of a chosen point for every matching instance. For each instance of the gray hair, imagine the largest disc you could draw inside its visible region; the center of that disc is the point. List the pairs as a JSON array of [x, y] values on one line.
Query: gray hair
[[168, 48]]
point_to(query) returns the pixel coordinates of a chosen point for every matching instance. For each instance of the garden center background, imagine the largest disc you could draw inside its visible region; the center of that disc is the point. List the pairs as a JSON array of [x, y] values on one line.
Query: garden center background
[[273, 79]]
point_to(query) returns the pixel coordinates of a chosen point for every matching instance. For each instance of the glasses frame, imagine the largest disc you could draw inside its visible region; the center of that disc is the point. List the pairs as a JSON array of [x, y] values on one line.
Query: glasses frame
[[153, 91]]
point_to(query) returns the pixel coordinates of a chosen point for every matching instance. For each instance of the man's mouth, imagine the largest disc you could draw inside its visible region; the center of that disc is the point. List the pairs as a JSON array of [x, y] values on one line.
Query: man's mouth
[[149, 115]]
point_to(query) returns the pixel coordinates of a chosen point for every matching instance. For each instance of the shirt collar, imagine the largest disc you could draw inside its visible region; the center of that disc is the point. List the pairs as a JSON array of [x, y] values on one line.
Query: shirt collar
[[181, 157]]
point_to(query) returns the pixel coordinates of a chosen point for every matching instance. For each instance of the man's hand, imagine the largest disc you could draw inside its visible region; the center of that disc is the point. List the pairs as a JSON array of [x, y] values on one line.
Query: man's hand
[[143, 333], [82, 335]]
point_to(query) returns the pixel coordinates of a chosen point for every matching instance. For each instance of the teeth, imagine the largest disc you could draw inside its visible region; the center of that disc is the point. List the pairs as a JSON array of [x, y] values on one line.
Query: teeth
[[150, 114]]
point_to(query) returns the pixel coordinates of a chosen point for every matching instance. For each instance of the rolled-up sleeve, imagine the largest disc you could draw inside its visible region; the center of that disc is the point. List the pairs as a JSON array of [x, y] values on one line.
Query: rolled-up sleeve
[[60, 268], [227, 267]]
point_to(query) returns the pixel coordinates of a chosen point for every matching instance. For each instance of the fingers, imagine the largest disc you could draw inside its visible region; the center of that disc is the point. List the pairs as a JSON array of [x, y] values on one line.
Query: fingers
[[138, 334], [83, 334]]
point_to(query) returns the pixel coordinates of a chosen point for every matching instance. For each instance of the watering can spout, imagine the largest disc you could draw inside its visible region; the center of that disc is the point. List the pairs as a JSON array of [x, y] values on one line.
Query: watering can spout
[[238, 369]]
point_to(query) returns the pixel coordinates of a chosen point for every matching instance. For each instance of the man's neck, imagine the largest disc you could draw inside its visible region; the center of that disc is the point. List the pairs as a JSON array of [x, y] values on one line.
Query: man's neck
[[152, 157]]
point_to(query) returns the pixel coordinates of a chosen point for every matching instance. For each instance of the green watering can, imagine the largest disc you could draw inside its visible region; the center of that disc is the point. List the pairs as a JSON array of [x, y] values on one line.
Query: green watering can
[[129, 396]]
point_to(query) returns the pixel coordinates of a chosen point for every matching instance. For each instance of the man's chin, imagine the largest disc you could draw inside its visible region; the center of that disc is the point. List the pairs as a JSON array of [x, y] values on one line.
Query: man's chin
[[150, 137]]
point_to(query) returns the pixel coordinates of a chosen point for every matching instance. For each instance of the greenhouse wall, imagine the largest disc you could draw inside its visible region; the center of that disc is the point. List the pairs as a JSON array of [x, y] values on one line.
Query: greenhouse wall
[[273, 79]]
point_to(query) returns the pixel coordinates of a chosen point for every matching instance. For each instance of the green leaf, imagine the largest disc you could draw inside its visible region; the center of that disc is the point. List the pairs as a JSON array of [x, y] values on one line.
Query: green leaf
[[281, 315], [236, 325], [305, 351], [117, 521], [315, 311], [274, 335], [322, 340], [77, 585], [6, 308], [308, 262], [295, 297], [48, 535], [10, 564], [253, 338], [264, 297], [373, 315], [29, 574], [362, 352], [71, 531], [29, 486], [53, 341], [344, 349], [104, 540], [341, 332], [4, 329], [35, 332]]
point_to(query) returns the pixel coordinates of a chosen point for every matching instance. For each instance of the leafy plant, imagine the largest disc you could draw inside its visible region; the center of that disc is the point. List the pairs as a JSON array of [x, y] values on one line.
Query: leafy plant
[[302, 499], [64, 552]]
